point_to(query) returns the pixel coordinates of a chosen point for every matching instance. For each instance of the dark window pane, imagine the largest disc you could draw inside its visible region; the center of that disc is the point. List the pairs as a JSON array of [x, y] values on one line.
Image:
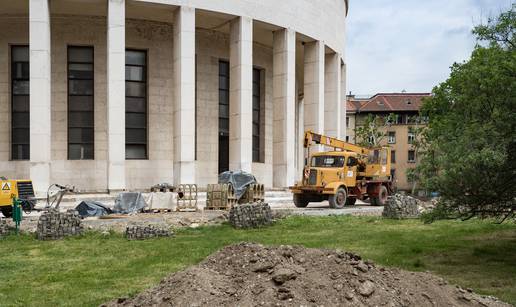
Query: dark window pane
[[256, 129], [80, 119], [135, 136], [135, 89], [223, 125], [256, 116], [80, 71], [135, 152], [256, 90], [223, 83], [223, 111], [134, 73], [80, 54], [80, 87], [80, 151], [80, 103], [135, 105], [20, 70], [20, 120], [80, 135], [20, 87], [21, 135], [20, 152], [135, 120], [223, 97], [134, 57], [20, 53], [223, 68], [21, 103]]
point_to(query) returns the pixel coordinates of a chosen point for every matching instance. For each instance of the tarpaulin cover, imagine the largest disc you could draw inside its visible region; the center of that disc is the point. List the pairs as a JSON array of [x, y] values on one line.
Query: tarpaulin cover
[[92, 208], [129, 202], [240, 180]]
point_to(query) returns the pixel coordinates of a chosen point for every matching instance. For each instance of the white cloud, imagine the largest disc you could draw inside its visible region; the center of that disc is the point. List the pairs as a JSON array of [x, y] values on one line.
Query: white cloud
[[410, 44]]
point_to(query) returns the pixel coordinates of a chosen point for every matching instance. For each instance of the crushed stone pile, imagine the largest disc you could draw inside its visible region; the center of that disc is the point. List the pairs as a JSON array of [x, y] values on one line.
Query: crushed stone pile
[[4, 228], [249, 274], [55, 225], [400, 206]]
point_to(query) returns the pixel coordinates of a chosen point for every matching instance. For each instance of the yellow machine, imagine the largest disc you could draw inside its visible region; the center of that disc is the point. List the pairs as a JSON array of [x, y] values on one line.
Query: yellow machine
[[21, 189], [342, 176]]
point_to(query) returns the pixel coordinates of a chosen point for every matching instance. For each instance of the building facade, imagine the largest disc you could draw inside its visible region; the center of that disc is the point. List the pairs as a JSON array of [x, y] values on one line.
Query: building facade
[[399, 134], [112, 95]]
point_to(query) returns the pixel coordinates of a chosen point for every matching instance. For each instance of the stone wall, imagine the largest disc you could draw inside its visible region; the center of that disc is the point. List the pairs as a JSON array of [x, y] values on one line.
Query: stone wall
[[4, 228], [142, 232]]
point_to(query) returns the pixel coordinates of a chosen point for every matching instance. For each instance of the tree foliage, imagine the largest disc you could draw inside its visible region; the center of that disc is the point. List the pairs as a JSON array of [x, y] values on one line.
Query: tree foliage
[[370, 133], [470, 143]]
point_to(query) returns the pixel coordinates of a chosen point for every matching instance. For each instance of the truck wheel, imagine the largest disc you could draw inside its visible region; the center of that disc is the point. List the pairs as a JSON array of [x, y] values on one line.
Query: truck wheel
[[381, 199], [351, 201], [300, 201], [7, 211], [338, 200]]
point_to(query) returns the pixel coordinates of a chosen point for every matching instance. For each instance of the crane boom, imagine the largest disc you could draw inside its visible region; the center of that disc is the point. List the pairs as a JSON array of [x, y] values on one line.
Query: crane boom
[[312, 138]]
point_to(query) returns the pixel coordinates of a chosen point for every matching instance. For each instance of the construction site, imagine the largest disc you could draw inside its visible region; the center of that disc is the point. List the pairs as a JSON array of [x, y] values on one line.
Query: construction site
[[205, 153]]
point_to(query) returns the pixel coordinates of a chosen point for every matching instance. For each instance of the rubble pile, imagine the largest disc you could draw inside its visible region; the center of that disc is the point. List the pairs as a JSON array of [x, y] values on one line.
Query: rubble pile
[[142, 232], [400, 206], [250, 215], [249, 274], [55, 225], [4, 228]]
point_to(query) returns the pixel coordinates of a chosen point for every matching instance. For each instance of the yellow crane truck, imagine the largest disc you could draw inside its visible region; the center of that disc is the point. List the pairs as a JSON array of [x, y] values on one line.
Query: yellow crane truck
[[343, 175]]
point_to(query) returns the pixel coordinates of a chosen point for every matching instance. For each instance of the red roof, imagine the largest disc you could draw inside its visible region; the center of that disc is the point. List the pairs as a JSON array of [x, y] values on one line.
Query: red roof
[[389, 102]]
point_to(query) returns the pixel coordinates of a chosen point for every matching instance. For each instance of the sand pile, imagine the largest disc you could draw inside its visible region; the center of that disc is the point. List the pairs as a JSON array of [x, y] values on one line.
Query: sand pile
[[253, 275]]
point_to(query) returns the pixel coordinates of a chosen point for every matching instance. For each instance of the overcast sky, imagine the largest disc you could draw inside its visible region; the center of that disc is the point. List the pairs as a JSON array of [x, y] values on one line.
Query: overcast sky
[[410, 44]]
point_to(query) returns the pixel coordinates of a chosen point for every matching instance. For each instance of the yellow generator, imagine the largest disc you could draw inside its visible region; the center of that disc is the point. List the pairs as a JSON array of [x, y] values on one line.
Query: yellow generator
[[21, 189]]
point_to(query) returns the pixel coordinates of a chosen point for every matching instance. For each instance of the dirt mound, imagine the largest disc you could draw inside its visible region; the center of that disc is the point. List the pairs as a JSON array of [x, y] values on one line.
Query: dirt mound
[[253, 275]]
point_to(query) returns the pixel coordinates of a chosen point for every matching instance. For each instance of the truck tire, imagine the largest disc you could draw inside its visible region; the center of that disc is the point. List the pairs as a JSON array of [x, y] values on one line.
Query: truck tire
[[300, 201], [381, 199], [7, 211], [351, 201], [338, 200]]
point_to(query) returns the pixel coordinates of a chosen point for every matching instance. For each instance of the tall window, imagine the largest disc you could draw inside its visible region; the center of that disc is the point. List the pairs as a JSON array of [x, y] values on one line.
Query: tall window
[[20, 132], [411, 135], [393, 156], [391, 137], [257, 114], [80, 103], [223, 116], [135, 104], [411, 156]]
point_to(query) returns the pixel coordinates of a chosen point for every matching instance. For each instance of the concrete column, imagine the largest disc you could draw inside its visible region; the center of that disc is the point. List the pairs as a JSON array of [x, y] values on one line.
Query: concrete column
[[240, 97], [332, 95], [40, 95], [343, 104], [284, 95], [116, 94], [314, 87], [184, 95]]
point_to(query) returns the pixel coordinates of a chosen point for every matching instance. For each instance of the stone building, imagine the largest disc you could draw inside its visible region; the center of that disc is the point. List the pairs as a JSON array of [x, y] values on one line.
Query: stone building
[[112, 95], [399, 134]]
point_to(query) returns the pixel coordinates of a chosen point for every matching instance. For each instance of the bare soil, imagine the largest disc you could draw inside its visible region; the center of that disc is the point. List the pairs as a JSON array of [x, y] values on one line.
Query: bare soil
[[249, 274]]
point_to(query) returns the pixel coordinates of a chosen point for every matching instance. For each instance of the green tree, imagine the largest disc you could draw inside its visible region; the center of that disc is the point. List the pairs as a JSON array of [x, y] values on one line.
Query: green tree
[[370, 133], [470, 142]]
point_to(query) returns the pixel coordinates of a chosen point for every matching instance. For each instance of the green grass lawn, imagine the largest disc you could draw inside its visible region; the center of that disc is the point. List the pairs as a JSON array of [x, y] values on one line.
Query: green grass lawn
[[92, 269]]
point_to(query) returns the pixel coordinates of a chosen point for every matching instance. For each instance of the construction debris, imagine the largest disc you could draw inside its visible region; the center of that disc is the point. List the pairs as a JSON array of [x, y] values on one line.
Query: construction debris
[[142, 232], [55, 225], [254, 275], [400, 206], [250, 215]]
